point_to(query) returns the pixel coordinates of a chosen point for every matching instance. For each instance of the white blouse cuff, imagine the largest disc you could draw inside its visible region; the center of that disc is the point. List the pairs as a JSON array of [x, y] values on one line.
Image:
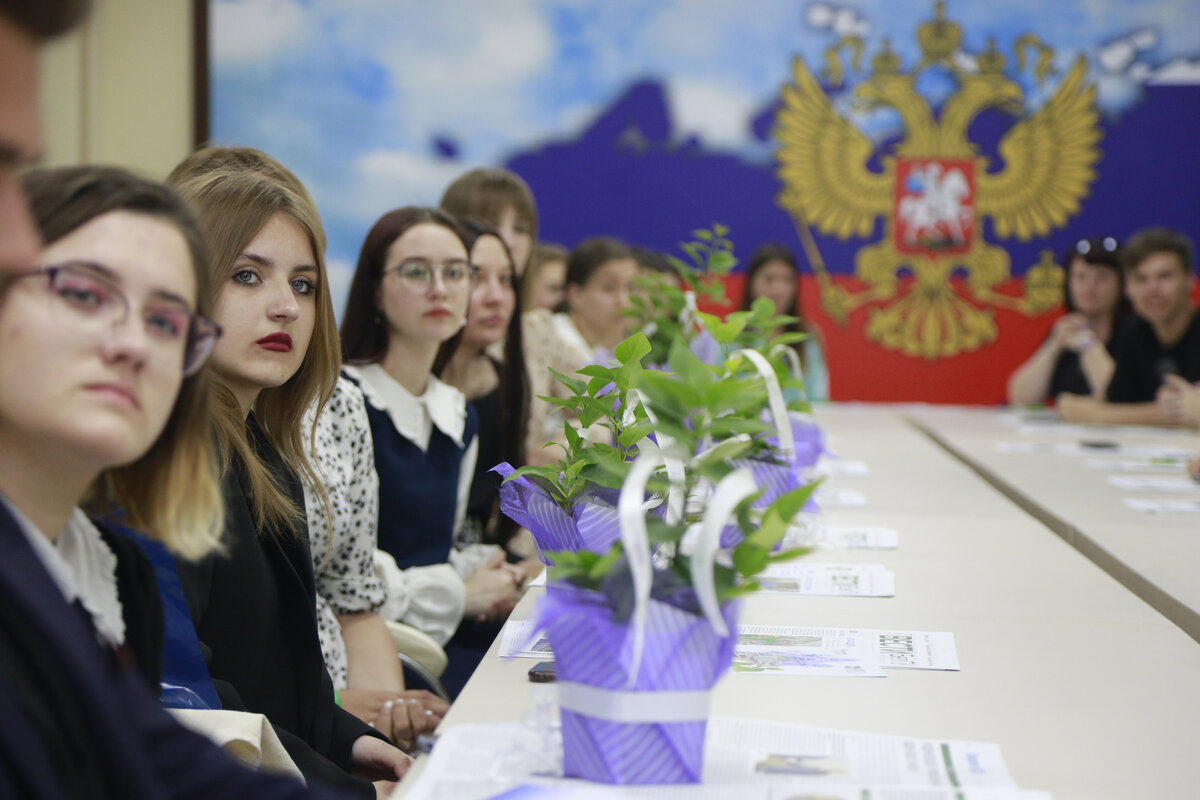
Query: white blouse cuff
[[431, 599]]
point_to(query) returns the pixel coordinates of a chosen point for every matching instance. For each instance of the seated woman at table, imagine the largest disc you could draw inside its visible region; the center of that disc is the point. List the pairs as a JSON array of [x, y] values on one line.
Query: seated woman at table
[[500, 198], [102, 399], [253, 606], [410, 294], [542, 283], [496, 389], [1097, 311], [773, 273], [600, 280], [341, 512]]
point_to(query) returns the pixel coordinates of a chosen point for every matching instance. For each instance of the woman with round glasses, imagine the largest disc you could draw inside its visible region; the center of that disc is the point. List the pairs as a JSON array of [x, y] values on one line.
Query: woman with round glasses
[[101, 404], [409, 295], [253, 607], [1076, 357]]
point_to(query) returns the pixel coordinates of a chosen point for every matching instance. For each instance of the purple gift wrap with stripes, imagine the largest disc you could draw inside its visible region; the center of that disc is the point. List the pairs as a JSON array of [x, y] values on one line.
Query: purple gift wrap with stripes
[[591, 524], [777, 479], [683, 657]]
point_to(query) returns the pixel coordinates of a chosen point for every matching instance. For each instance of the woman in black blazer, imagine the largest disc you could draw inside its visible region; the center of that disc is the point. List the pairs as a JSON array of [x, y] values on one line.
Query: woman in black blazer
[[254, 605]]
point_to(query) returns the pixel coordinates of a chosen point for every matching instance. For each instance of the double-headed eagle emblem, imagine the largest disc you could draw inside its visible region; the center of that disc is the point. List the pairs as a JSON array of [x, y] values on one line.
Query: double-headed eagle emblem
[[934, 187]]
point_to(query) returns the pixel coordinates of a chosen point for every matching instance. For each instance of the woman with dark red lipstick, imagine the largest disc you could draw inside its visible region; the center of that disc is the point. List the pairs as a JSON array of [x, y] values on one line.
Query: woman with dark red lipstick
[[410, 294], [254, 606]]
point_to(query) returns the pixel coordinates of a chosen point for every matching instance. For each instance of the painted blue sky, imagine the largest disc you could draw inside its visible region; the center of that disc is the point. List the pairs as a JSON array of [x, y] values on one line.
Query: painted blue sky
[[380, 103]]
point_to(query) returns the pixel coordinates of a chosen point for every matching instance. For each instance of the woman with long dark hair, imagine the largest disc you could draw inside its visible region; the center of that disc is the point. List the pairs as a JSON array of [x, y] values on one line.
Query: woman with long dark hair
[[497, 389], [772, 272], [409, 296]]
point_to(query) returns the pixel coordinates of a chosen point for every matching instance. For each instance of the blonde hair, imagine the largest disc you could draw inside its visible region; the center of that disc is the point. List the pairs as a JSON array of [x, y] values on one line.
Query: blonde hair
[[233, 205], [173, 491]]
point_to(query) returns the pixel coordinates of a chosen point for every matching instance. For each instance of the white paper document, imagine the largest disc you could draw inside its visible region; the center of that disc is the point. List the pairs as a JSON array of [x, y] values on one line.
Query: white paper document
[[840, 498], [842, 537], [746, 759], [836, 468], [887, 649], [1154, 483], [848, 580], [1174, 466], [1164, 507], [1095, 447], [788, 650]]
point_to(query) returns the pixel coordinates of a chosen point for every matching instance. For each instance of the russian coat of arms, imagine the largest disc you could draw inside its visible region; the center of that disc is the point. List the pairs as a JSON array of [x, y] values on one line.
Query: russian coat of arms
[[935, 187]]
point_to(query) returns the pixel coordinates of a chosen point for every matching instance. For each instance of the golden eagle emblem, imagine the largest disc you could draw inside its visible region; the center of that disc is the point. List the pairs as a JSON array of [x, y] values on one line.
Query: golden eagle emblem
[[934, 188]]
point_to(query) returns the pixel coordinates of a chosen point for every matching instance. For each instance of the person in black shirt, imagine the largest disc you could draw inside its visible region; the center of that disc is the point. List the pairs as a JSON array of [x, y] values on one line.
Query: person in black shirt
[[1164, 341], [1097, 312]]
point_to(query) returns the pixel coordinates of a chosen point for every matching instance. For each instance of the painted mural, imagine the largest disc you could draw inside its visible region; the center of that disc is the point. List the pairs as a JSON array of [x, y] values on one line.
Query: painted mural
[[931, 161]]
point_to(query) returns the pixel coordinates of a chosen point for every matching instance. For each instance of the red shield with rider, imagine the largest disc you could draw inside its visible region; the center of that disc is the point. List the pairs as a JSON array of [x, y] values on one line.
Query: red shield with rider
[[934, 212]]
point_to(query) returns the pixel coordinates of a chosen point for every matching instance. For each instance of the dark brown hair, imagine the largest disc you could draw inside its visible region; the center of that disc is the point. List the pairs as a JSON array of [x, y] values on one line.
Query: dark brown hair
[[513, 380], [765, 254], [1102, 252], [1149, 241], [364, 330], [591, 254]]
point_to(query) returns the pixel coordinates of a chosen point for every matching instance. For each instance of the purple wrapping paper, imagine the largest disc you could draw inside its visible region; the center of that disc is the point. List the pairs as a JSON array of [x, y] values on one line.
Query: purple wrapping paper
[[682, 652], [809, 441], [591, 525], [778, 479]]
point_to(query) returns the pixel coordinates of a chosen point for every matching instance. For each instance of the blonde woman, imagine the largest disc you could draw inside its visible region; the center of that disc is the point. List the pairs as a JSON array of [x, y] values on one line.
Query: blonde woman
[[341, 509], [254, 607]]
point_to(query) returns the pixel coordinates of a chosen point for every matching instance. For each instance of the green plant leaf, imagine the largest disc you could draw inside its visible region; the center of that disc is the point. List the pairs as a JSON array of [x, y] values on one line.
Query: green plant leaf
[[632, 349]]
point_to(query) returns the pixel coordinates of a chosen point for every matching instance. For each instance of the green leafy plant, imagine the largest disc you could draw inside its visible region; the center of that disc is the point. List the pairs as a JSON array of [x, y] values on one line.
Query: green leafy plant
[[660, 309], [599, 398], [706, 417]]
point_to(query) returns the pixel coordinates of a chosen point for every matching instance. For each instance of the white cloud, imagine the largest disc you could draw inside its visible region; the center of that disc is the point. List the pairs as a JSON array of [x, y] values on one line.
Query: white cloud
[[1177, 71], [848, 22], [966, 62], [389, 178], [819, 15], [255, 30], [720, 116], [1118, 54], [339, 274], [842, 20]]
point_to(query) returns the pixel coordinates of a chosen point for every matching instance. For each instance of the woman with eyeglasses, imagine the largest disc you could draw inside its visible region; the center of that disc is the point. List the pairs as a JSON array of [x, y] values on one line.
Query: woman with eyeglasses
[[409, 295], [102, 404], [253, 606], [1076, 357]]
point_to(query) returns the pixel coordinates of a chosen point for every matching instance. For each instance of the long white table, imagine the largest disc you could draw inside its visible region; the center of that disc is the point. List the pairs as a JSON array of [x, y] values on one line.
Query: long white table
[[1089, 692], [1157, 557]]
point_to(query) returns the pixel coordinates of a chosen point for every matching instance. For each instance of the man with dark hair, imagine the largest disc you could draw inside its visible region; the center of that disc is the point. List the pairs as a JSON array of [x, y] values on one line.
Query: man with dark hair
[[1159, 356]]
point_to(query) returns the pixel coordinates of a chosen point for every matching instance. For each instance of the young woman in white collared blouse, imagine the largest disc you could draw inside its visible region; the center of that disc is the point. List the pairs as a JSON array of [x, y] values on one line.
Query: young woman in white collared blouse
[[410, 294]]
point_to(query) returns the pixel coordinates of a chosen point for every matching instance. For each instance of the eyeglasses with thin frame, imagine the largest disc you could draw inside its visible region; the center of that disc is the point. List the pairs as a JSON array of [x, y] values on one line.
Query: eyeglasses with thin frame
[[176, 333], [417, 274]]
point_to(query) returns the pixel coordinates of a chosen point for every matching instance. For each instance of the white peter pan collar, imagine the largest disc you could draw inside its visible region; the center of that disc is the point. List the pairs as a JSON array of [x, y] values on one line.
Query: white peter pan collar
[[414, 417], [83, 567]]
